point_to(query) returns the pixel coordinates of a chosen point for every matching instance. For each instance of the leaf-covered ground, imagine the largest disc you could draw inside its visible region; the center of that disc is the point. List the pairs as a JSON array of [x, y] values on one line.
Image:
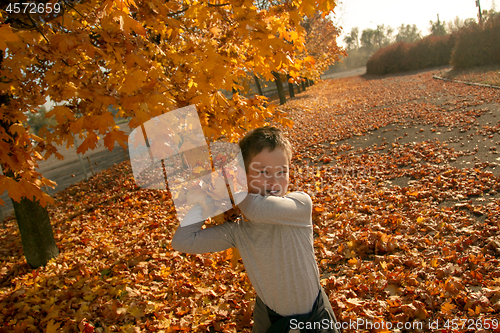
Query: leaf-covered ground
[[405, 179]]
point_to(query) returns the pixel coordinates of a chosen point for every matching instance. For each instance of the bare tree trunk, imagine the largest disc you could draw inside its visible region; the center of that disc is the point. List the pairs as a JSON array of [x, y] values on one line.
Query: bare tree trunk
[[257, 83], [279, 86], [38, 241], [290, 86]]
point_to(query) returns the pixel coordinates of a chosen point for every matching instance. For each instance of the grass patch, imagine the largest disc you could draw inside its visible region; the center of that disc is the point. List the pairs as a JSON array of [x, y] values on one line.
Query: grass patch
[[484, 75]]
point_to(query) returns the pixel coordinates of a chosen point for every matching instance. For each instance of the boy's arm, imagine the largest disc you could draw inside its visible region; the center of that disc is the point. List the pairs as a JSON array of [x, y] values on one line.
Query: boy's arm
[[192, 239], [293, 209]]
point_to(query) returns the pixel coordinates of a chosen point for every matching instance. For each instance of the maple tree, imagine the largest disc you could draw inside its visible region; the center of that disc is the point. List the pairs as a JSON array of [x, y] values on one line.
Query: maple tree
[[404, 231], [143, 59], [321, 49]]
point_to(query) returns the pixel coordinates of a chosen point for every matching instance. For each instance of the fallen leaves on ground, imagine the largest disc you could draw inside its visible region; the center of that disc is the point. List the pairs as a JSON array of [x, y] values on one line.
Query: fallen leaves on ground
[[403, 232], [423, 250]]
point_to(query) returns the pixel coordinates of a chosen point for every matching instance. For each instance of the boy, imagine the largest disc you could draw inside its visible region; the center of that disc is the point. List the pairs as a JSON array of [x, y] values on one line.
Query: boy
[[275, 240]]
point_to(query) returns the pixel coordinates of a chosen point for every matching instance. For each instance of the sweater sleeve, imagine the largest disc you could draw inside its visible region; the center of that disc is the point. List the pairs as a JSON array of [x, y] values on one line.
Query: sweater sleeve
[[191, 238], [294, 209]]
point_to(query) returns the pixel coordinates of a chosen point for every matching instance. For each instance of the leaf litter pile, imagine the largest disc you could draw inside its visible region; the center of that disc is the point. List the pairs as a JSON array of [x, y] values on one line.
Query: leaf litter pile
[[405, 178]]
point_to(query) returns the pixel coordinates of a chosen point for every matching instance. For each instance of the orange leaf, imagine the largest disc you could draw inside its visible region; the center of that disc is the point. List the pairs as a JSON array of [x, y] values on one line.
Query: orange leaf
[[115, 135], [61, 112], [90, 142], [7, 35]]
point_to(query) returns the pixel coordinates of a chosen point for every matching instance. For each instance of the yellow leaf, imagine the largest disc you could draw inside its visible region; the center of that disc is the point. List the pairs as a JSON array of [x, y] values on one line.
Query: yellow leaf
[[127, 23], [215, 30], [353, 261], [133, 81], [434, 263], [191, 83], [233, 255], [447, 307], [52, 327]]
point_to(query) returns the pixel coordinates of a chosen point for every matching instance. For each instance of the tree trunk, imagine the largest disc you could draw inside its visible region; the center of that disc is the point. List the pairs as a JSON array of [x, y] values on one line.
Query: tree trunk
[[36, 232], [303, 85], [290, 86], [38, 241], [279, 86], [257, 83]]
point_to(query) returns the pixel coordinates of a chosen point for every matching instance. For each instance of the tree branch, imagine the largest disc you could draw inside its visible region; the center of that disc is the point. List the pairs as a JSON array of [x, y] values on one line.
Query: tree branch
[[178, 12], [37, 28], [218, 5]]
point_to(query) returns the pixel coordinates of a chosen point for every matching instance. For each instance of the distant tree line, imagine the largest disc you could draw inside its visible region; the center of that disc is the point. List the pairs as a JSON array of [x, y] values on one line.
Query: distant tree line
[[361, 45], [469, 45]]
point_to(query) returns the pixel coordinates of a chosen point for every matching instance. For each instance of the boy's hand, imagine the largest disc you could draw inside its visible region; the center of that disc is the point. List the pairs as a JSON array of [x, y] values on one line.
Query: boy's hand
[[230, 215]]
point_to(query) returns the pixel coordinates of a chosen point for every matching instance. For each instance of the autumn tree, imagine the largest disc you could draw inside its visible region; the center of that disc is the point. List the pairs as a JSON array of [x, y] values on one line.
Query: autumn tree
[[437, 28], [383, 35], [321, 49], [352, 39], [408, 33], [367, 38], [142, 58], [360, 46], [456, 24]]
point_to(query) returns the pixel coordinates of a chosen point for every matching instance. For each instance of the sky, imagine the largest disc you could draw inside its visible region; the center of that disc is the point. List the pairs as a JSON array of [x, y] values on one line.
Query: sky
[[366, 14]]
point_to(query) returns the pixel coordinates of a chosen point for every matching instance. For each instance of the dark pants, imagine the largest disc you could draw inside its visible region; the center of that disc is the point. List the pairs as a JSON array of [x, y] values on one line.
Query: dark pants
[[268, 321]]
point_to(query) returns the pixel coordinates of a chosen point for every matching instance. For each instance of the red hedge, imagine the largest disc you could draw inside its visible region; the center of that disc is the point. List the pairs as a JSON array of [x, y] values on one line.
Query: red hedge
[[430, 51], [478, 46]]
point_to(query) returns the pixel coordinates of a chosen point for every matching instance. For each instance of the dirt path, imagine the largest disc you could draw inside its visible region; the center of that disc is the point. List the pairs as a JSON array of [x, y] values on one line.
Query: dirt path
[[343, 74], [70, 171]]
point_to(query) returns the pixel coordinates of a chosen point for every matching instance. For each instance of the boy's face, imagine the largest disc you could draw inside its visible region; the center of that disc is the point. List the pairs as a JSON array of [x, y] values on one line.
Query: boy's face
[[268, 173]]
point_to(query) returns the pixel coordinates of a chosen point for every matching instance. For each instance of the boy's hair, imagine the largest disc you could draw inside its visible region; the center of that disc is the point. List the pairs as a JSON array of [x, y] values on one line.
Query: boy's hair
[[260, 138]]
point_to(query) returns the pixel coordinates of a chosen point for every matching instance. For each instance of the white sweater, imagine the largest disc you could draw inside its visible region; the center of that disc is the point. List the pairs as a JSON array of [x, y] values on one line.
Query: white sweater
[[276, 245]]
